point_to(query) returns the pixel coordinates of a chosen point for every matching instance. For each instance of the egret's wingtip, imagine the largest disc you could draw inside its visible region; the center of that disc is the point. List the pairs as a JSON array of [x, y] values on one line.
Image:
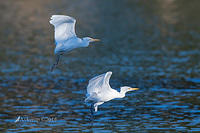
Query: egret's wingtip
[[109, 72]]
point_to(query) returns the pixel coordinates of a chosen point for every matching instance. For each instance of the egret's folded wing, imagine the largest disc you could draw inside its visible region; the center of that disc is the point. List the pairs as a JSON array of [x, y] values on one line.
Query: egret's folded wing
[[99, 83], [64, 27]]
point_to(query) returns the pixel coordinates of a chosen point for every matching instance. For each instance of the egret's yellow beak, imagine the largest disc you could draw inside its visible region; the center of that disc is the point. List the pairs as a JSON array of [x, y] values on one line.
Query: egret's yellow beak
[[133, 89], [94, 40]]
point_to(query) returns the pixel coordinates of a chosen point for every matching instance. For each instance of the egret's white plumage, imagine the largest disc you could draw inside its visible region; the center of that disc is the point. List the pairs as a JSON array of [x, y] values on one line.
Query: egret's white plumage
[[65, 36], [99, 90], [64, 27]]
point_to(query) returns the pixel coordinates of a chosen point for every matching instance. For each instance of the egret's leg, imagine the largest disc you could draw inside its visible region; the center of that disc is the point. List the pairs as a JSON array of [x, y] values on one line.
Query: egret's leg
[[57, 61], [96, 105]]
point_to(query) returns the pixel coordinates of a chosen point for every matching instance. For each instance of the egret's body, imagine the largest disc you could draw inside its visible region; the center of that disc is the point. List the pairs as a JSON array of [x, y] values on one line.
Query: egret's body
[[65, 36], [68, 45], [99, 90]]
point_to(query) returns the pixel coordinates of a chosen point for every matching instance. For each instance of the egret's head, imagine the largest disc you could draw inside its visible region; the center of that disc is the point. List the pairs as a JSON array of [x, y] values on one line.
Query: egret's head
[[87, 40], [126, 89]]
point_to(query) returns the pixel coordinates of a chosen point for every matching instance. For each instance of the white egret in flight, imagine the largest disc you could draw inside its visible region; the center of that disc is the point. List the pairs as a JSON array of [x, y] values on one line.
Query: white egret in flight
[[65, 36], [99, 91]]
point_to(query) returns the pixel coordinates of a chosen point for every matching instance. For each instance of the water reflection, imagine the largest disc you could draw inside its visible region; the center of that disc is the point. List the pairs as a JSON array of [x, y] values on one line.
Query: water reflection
[[168, 11]]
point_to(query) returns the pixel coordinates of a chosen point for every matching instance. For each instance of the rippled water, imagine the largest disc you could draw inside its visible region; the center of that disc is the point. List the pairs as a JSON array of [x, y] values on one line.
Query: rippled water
[[154, 46]]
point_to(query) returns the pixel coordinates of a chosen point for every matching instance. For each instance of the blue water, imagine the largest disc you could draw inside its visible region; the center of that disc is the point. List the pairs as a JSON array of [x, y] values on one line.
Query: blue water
[[153, 46]]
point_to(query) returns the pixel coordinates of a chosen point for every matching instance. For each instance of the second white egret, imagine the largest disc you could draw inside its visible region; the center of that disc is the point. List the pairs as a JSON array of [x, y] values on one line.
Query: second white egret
[[99, 91], [65, 36]]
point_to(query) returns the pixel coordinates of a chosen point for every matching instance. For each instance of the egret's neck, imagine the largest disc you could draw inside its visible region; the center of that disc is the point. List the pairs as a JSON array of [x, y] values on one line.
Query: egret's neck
[[122, 94], [85, 42]]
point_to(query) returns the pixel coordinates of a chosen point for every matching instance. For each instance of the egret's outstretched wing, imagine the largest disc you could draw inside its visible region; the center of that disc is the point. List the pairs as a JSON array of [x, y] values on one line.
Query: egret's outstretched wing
[[99, 83], [64, 27]]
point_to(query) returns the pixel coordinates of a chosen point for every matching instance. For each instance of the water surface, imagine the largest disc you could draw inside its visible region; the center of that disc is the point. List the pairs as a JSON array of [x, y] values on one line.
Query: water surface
[[153, 46]]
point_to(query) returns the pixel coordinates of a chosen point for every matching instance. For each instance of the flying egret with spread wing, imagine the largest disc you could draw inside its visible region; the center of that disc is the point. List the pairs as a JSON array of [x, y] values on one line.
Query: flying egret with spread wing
[[65, 36], [99, 91]]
